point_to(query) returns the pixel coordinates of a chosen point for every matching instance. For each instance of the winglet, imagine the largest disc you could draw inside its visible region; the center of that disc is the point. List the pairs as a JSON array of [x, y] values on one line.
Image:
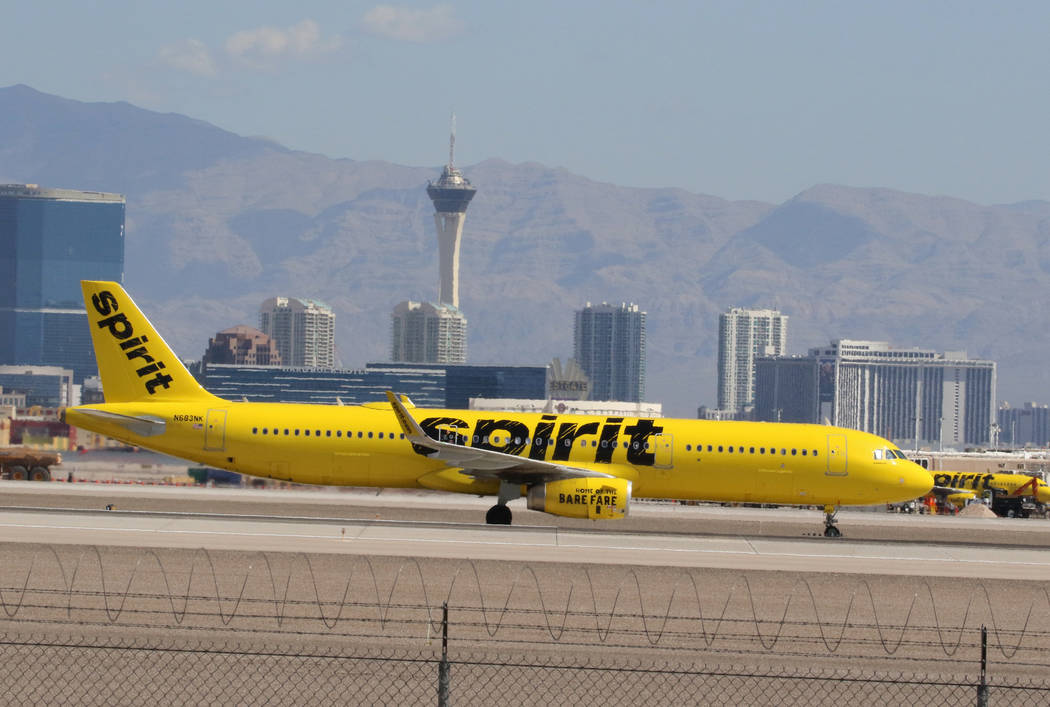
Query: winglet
[[408, 424]]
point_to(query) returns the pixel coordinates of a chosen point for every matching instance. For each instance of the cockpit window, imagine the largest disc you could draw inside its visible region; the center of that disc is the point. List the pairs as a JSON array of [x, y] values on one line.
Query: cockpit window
[[877, 454]]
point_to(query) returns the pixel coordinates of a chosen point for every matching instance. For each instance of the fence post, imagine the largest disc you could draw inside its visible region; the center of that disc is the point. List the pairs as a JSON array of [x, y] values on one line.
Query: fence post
[[443, 672], [982, 689]]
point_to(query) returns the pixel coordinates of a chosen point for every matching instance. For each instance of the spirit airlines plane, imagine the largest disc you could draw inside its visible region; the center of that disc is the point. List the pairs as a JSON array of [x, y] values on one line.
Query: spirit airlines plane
[[569, 465]]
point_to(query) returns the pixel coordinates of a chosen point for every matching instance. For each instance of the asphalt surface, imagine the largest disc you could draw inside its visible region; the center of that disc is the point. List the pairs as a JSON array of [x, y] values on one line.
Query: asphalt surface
[[311, 569]]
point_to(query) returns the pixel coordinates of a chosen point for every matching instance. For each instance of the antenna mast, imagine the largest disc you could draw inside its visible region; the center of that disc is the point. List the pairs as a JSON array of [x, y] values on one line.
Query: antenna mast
[[452, 141]]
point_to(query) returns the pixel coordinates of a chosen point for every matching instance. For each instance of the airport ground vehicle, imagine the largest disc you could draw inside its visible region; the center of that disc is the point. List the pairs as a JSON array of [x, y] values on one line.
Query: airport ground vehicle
[[1017, 507], [26, 464]]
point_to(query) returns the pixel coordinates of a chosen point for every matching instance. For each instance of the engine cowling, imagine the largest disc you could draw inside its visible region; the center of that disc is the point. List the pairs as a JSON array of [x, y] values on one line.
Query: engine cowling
[[606, 499]]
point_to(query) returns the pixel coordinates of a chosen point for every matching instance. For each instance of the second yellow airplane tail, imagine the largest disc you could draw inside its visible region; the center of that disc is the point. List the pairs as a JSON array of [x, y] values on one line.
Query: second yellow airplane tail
[[134, 361]]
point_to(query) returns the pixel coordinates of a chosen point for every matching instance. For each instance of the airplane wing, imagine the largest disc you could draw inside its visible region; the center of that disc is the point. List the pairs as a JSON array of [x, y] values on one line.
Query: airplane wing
[[142, 425], [948, 491], [486, 463]]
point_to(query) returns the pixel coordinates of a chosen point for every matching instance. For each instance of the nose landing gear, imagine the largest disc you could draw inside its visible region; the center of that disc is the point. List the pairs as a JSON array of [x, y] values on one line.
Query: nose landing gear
[[830, 529]]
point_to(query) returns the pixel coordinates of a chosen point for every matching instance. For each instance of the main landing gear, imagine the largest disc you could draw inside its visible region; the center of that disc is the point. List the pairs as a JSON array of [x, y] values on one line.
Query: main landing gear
[[500, 514], [830, 529]]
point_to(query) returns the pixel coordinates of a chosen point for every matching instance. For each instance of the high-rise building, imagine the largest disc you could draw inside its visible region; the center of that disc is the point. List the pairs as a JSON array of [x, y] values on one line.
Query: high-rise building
[[302, 329], [50, 240], [1025, 426], [610, 348], [451, 194], [786, 389], [744, 334], [424, 332], [242, 346], [912, 396]]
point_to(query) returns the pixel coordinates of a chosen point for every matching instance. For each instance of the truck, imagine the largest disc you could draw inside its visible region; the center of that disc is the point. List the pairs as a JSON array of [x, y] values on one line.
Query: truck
[[26, 464]]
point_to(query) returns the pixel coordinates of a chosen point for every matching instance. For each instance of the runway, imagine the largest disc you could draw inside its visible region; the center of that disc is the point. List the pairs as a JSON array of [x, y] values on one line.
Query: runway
[[531, 544], [748, 585]]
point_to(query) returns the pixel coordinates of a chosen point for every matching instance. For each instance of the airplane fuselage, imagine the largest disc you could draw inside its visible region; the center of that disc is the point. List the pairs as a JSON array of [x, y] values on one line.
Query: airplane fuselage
[[663, 458]]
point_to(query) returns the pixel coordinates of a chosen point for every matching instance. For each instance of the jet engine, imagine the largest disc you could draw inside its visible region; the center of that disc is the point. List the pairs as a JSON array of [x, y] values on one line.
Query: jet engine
[[582, 498]]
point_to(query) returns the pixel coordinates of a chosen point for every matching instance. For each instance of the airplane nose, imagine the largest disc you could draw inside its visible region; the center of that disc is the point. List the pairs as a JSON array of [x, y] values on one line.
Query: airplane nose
[[915, 481]]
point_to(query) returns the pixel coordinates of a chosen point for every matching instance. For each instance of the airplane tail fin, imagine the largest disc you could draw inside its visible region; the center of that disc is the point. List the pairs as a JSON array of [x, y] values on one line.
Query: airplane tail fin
[[133, 360]]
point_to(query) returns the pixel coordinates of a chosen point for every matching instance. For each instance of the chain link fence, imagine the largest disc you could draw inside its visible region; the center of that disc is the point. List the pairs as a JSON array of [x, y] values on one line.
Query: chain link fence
[[40, 669]]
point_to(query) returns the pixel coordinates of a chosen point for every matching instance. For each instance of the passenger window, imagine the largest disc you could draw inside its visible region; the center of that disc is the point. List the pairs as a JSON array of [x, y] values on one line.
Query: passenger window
[[709, 448], [752, 450], [729, 449], [306, 433], [297, 432], [402, 435], [803, 452], [360, 434], [583, 443], [794, 452], [286, 432], [317, 433], [255, 430], [814, 452], [783, 452], [369, 435], [338, 433], [772, 450], [688, 447], [720, 448], [380, 435]]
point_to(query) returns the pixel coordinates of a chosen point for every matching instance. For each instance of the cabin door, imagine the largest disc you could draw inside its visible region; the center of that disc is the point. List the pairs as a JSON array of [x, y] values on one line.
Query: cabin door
[[215, 431], [837, 455]]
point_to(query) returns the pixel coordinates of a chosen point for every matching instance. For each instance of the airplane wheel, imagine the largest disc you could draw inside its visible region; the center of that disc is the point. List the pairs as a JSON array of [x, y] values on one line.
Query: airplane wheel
[[832, 532], [498, 515], [39, 473], [18, 473]]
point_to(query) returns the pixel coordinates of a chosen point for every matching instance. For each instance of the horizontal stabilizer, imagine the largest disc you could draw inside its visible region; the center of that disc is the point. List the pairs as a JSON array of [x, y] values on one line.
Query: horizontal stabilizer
[[141, 425]]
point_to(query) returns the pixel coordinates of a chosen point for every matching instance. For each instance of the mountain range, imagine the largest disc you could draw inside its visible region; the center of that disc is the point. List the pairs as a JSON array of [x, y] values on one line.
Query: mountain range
[[217, 222]]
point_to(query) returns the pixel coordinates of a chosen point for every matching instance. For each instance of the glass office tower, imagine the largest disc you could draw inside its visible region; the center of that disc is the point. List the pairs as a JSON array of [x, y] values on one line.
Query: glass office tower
[[50, 240]]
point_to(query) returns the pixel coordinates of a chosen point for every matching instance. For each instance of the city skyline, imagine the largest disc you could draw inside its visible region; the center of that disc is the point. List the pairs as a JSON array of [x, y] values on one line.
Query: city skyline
[[626, 239]]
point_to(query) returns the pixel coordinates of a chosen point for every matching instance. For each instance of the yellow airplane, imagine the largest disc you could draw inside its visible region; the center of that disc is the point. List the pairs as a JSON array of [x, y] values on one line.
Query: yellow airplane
[[578, 466], [1007, 491]]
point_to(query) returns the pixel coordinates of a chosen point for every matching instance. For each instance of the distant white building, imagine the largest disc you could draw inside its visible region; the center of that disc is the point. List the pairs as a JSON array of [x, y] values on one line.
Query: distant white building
[[302, 329], [912, 396], [569, 407], [744, 334], [424, 332]]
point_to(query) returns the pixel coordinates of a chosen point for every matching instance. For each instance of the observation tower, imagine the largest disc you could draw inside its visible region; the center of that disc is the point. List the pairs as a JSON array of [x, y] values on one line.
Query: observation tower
[[451, 194]]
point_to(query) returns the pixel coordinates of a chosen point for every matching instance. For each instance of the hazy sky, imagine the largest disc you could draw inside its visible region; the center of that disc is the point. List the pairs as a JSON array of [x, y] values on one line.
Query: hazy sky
[[745, 100]]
